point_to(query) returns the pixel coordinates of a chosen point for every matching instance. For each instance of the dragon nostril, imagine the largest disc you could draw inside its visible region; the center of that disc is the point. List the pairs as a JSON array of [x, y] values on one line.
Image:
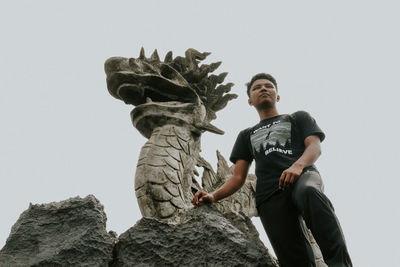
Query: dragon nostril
[[114, 64]]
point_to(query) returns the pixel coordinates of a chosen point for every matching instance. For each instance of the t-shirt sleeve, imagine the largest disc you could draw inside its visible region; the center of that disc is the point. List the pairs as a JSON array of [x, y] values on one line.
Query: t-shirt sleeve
[[241, 149], [307, 125]]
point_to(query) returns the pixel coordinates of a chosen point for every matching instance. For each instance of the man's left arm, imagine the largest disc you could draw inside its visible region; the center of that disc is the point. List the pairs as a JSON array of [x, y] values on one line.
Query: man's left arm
[[310, 155]]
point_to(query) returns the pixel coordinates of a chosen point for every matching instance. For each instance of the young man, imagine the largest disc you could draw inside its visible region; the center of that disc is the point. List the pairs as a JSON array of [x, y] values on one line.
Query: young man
[[289, 187]]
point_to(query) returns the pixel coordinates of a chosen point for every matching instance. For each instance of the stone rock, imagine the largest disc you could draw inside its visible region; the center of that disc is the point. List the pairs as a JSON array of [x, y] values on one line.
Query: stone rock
[[73, 233], [67, 233], [204, 237]]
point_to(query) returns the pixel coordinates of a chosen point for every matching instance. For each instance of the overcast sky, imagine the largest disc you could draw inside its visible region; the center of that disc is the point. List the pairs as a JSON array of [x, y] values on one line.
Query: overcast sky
[[62, 134]]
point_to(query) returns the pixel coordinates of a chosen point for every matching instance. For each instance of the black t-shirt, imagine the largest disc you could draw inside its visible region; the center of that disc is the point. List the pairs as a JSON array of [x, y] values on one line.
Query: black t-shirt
[[275, 144]]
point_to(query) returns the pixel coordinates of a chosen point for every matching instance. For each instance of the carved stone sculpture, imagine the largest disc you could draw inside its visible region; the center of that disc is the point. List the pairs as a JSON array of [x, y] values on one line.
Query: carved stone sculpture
[[175, 101]]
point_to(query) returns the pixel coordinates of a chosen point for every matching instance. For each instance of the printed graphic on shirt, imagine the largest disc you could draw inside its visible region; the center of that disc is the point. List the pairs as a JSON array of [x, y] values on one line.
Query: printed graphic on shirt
[[273, 137]]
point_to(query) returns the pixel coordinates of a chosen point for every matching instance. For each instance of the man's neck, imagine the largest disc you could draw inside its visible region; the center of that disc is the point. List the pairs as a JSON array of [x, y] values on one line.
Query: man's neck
[[267, 113]]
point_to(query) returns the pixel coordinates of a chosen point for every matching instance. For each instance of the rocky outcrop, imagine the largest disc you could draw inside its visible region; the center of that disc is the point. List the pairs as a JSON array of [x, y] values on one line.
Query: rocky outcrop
[[73, 233], [204, 237], [67, 233]]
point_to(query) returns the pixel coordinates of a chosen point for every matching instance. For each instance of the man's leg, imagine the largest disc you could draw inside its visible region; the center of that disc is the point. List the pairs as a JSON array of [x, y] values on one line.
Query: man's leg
[[282, 224], [319, 215]]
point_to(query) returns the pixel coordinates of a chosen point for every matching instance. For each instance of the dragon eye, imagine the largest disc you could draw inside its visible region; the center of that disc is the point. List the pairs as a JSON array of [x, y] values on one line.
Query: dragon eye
[[168, 72]]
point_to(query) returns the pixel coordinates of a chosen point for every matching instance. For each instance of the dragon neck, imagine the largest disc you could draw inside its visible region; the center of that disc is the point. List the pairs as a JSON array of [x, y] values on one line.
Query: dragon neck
[[165, 170]]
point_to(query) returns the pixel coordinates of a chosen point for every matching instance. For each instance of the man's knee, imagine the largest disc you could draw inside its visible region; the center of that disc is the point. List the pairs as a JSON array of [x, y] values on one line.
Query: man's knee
[[304, 192], [309, 185], [303, 195]]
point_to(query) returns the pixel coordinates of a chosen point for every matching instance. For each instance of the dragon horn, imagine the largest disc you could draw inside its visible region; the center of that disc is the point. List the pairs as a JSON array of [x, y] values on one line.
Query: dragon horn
[[168, 57], [155, 56], [142, 56]]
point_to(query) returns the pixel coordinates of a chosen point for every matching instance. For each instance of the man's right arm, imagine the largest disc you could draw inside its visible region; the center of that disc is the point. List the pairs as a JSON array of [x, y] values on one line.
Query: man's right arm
[[228, 188]]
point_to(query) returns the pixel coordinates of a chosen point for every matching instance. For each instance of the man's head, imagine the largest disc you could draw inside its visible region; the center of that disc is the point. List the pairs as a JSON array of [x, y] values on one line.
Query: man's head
[[260, 76], [263, 92]]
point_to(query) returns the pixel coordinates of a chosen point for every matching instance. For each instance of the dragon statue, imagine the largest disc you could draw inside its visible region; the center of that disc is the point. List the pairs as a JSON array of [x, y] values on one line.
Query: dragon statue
[[175, 101]]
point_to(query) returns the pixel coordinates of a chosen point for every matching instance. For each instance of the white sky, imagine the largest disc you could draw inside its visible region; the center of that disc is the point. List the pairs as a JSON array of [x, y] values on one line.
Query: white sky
[[63, 135]]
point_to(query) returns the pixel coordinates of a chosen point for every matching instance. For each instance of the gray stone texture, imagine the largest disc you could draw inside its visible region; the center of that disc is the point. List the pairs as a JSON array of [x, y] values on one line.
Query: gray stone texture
[[204, 237], [73, 233], [67, 233]]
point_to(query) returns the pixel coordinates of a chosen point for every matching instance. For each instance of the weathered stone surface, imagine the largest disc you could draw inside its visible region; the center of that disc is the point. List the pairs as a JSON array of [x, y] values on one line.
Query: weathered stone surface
[[66, 233], [204, 237]]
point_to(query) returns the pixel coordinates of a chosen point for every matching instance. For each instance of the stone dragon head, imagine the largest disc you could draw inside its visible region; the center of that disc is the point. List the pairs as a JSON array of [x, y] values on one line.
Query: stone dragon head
[[175, 91]]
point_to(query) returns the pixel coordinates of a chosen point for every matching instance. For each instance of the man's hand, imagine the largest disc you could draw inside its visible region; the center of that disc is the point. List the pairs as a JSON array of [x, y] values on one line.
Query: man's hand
[[310, 155], [202, 197], [289, 176], [228, 188]]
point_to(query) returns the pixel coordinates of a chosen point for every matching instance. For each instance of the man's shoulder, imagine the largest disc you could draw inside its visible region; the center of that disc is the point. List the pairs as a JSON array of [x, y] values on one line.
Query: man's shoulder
[[252, 129], [300, 114], [246, 131]]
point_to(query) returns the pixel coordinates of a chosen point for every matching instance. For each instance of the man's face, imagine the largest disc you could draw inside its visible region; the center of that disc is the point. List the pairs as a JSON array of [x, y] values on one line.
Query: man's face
[[263, 94]]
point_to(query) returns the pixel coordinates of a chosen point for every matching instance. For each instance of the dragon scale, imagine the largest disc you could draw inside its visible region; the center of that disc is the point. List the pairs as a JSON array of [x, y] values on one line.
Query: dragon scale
[[164, 172]]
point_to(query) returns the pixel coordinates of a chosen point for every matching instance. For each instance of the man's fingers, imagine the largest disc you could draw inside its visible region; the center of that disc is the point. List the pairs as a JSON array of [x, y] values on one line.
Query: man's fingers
[[293, 178], [287, 178], [201, 197], [205, 198], [197, 197], [286, 181], [282, 180], [290, 179], [194, 200]]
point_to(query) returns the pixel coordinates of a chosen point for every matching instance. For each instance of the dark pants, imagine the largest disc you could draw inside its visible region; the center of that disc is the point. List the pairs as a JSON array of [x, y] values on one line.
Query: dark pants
[[282, 216]]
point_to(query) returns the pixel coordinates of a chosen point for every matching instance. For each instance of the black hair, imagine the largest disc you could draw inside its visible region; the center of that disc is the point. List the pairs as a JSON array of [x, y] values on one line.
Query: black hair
[[259, 76]]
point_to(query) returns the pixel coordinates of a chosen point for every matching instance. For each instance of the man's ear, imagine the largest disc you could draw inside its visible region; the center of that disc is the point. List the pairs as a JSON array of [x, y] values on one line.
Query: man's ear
[[249, 101], [278, 97]]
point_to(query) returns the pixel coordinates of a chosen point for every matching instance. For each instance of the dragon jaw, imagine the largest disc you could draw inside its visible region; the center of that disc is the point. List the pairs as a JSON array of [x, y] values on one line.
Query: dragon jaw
[[148, 116], [133, 87]]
